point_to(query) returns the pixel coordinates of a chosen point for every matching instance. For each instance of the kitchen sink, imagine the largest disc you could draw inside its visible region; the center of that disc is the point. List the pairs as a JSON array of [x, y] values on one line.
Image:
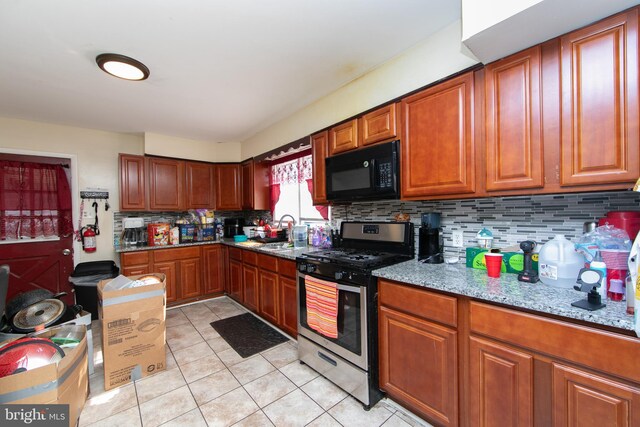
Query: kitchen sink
[[275, 247]]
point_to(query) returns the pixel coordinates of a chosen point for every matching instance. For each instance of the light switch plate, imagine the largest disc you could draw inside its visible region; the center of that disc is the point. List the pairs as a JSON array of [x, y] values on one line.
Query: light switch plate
[[458, 238], [89, 214]]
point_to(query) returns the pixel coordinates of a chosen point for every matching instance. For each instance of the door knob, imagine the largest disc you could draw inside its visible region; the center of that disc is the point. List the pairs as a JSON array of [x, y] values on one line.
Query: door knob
[[66, 252]]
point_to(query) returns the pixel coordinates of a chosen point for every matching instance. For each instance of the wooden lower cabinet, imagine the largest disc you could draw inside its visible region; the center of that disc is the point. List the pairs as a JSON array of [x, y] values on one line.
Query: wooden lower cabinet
[[135, 270], [169, 269], [250, 283], [500, 385], [213, 273], [581, 398], [190, 278], [269, 301], [288, 312], [235, 280], [418, 365]]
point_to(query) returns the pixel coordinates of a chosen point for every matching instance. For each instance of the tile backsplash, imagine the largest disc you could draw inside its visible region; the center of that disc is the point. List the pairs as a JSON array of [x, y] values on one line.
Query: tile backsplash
[[151, 217], [511, 219]]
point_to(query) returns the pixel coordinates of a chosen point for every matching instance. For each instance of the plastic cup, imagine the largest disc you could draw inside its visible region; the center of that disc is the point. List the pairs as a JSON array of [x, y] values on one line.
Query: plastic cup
[[494, 264]]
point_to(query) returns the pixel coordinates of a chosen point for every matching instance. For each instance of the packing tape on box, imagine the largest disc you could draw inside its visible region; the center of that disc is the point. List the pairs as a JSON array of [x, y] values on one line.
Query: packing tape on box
[[130, 298], [24, 393]]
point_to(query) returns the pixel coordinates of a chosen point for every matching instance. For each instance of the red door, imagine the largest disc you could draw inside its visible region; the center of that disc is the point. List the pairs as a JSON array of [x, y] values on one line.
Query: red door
[[39, 265]]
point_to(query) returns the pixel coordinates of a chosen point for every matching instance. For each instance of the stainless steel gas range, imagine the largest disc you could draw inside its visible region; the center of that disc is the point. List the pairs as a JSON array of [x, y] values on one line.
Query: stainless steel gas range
[[348, 355]]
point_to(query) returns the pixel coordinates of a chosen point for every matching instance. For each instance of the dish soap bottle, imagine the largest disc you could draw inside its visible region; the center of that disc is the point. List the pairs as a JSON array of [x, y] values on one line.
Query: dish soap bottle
[[598, 264], [559, 263]]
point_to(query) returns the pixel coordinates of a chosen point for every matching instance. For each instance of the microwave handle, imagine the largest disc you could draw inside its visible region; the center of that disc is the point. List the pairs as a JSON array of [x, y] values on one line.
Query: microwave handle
[[372, 173]]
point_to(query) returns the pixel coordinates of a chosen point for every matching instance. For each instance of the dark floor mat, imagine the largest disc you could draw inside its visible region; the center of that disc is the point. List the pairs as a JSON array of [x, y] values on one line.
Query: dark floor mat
[[247, 334]]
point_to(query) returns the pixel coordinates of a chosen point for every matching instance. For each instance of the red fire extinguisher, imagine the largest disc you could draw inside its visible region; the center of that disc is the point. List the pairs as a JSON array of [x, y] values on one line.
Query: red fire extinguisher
[[88, 238]]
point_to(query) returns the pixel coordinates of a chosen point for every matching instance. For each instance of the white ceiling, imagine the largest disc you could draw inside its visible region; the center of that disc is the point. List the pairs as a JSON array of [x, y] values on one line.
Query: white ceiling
[[221, 70]]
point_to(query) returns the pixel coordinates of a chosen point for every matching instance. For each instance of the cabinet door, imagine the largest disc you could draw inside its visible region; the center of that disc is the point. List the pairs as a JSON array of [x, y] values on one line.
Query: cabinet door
[[343, 137], [600, 140], [438, 150], [288, 306], [581, 398], [247, 184], [200, 188], [418, 365], [379, 125], [228, 187], [319, 150], [513, 122], [132, 189], [213, 269], [250, 283], [166, 184], [268, 301], [170, 269], [190, 278], [500, 385], [235, 280]]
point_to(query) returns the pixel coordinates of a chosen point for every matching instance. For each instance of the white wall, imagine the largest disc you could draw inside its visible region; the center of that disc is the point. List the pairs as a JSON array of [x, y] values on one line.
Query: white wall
[[97, 164], [181, 148], [477, 16], [437, 57]]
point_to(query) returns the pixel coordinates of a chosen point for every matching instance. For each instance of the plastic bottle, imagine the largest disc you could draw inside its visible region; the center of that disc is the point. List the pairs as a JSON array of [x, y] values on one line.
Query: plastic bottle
[[598, 264], [559, 263]]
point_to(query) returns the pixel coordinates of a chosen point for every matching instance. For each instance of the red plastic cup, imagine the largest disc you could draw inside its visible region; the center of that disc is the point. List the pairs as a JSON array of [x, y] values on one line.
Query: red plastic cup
[[494, 264]]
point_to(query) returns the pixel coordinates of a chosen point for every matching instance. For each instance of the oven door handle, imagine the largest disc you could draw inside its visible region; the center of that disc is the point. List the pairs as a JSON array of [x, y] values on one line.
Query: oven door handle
[[354, 289]]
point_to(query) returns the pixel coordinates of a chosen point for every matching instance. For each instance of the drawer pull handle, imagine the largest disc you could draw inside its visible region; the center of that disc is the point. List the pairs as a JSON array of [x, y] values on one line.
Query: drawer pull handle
[[327, 359]]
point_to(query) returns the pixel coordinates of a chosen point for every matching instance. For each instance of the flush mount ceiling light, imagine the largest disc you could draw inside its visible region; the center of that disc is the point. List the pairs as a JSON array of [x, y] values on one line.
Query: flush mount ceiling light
[[122, 66]]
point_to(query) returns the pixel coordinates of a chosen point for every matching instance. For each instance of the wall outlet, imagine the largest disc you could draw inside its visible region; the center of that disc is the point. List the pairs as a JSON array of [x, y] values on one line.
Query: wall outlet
[[458, 238]]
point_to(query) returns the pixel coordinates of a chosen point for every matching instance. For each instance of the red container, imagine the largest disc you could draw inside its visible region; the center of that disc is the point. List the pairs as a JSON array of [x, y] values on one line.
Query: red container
[[628, 221]]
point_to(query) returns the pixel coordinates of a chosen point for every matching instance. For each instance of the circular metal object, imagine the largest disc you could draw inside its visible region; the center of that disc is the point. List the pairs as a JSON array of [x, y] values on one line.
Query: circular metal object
[[44, 312]]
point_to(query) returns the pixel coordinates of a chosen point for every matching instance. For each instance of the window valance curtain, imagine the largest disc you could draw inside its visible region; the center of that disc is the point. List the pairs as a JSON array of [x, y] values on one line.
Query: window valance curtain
[[35, 201]]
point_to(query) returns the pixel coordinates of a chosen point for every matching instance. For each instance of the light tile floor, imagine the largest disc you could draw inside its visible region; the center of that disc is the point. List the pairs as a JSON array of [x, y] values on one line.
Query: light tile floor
[[208, 384]]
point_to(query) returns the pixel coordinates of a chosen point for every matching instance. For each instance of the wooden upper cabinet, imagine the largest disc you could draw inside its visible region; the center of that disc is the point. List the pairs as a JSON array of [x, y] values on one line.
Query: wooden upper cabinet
[[600, 140], [379, 125], [343, 137], [132, 183], [319, 150], [255, 185], [513, 122], [166, 184], [200, 185], [438, 150], [500, 385], [228, 187]]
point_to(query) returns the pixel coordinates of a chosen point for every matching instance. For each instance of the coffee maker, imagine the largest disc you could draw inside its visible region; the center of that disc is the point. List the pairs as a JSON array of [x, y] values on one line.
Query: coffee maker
[[430, 240]]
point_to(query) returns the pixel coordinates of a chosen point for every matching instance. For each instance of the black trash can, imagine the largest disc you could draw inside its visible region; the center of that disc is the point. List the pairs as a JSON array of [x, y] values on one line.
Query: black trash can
[[85, 278]]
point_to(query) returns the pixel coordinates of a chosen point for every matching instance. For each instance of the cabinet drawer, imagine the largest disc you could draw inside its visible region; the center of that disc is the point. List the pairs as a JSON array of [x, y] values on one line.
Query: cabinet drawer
[[421, 303], [163, 255], [268, 262], [559, 339], [250, 257], [134, 258], [235, 253], [287, 268]]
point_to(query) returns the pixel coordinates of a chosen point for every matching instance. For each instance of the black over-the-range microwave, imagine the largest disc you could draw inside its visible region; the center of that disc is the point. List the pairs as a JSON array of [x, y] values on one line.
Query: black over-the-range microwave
[[365, 174]]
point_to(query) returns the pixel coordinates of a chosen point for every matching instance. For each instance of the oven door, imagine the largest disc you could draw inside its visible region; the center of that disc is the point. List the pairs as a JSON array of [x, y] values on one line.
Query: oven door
[[351, 343]]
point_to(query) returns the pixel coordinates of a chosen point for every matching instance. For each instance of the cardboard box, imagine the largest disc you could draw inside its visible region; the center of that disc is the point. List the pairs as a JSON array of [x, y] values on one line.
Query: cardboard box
[[65, 382], [513, 262], [133, 331]]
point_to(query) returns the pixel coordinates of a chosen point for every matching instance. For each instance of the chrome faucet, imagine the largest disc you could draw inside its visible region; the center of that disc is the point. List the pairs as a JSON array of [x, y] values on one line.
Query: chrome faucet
[[283, 217]]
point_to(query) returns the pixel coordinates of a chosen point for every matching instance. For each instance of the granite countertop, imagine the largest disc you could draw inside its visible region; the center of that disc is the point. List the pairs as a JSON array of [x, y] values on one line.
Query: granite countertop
[[507, 290], [270, 249]]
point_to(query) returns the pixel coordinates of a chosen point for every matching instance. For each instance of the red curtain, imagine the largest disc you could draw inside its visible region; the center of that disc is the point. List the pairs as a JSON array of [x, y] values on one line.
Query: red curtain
[[275, 196], [323, 210], [35, 201]]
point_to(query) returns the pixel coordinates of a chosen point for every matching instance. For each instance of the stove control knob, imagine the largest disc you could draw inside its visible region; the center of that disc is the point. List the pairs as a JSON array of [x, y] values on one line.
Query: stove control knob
[[340, 274], [302, 268], [311, 268]]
